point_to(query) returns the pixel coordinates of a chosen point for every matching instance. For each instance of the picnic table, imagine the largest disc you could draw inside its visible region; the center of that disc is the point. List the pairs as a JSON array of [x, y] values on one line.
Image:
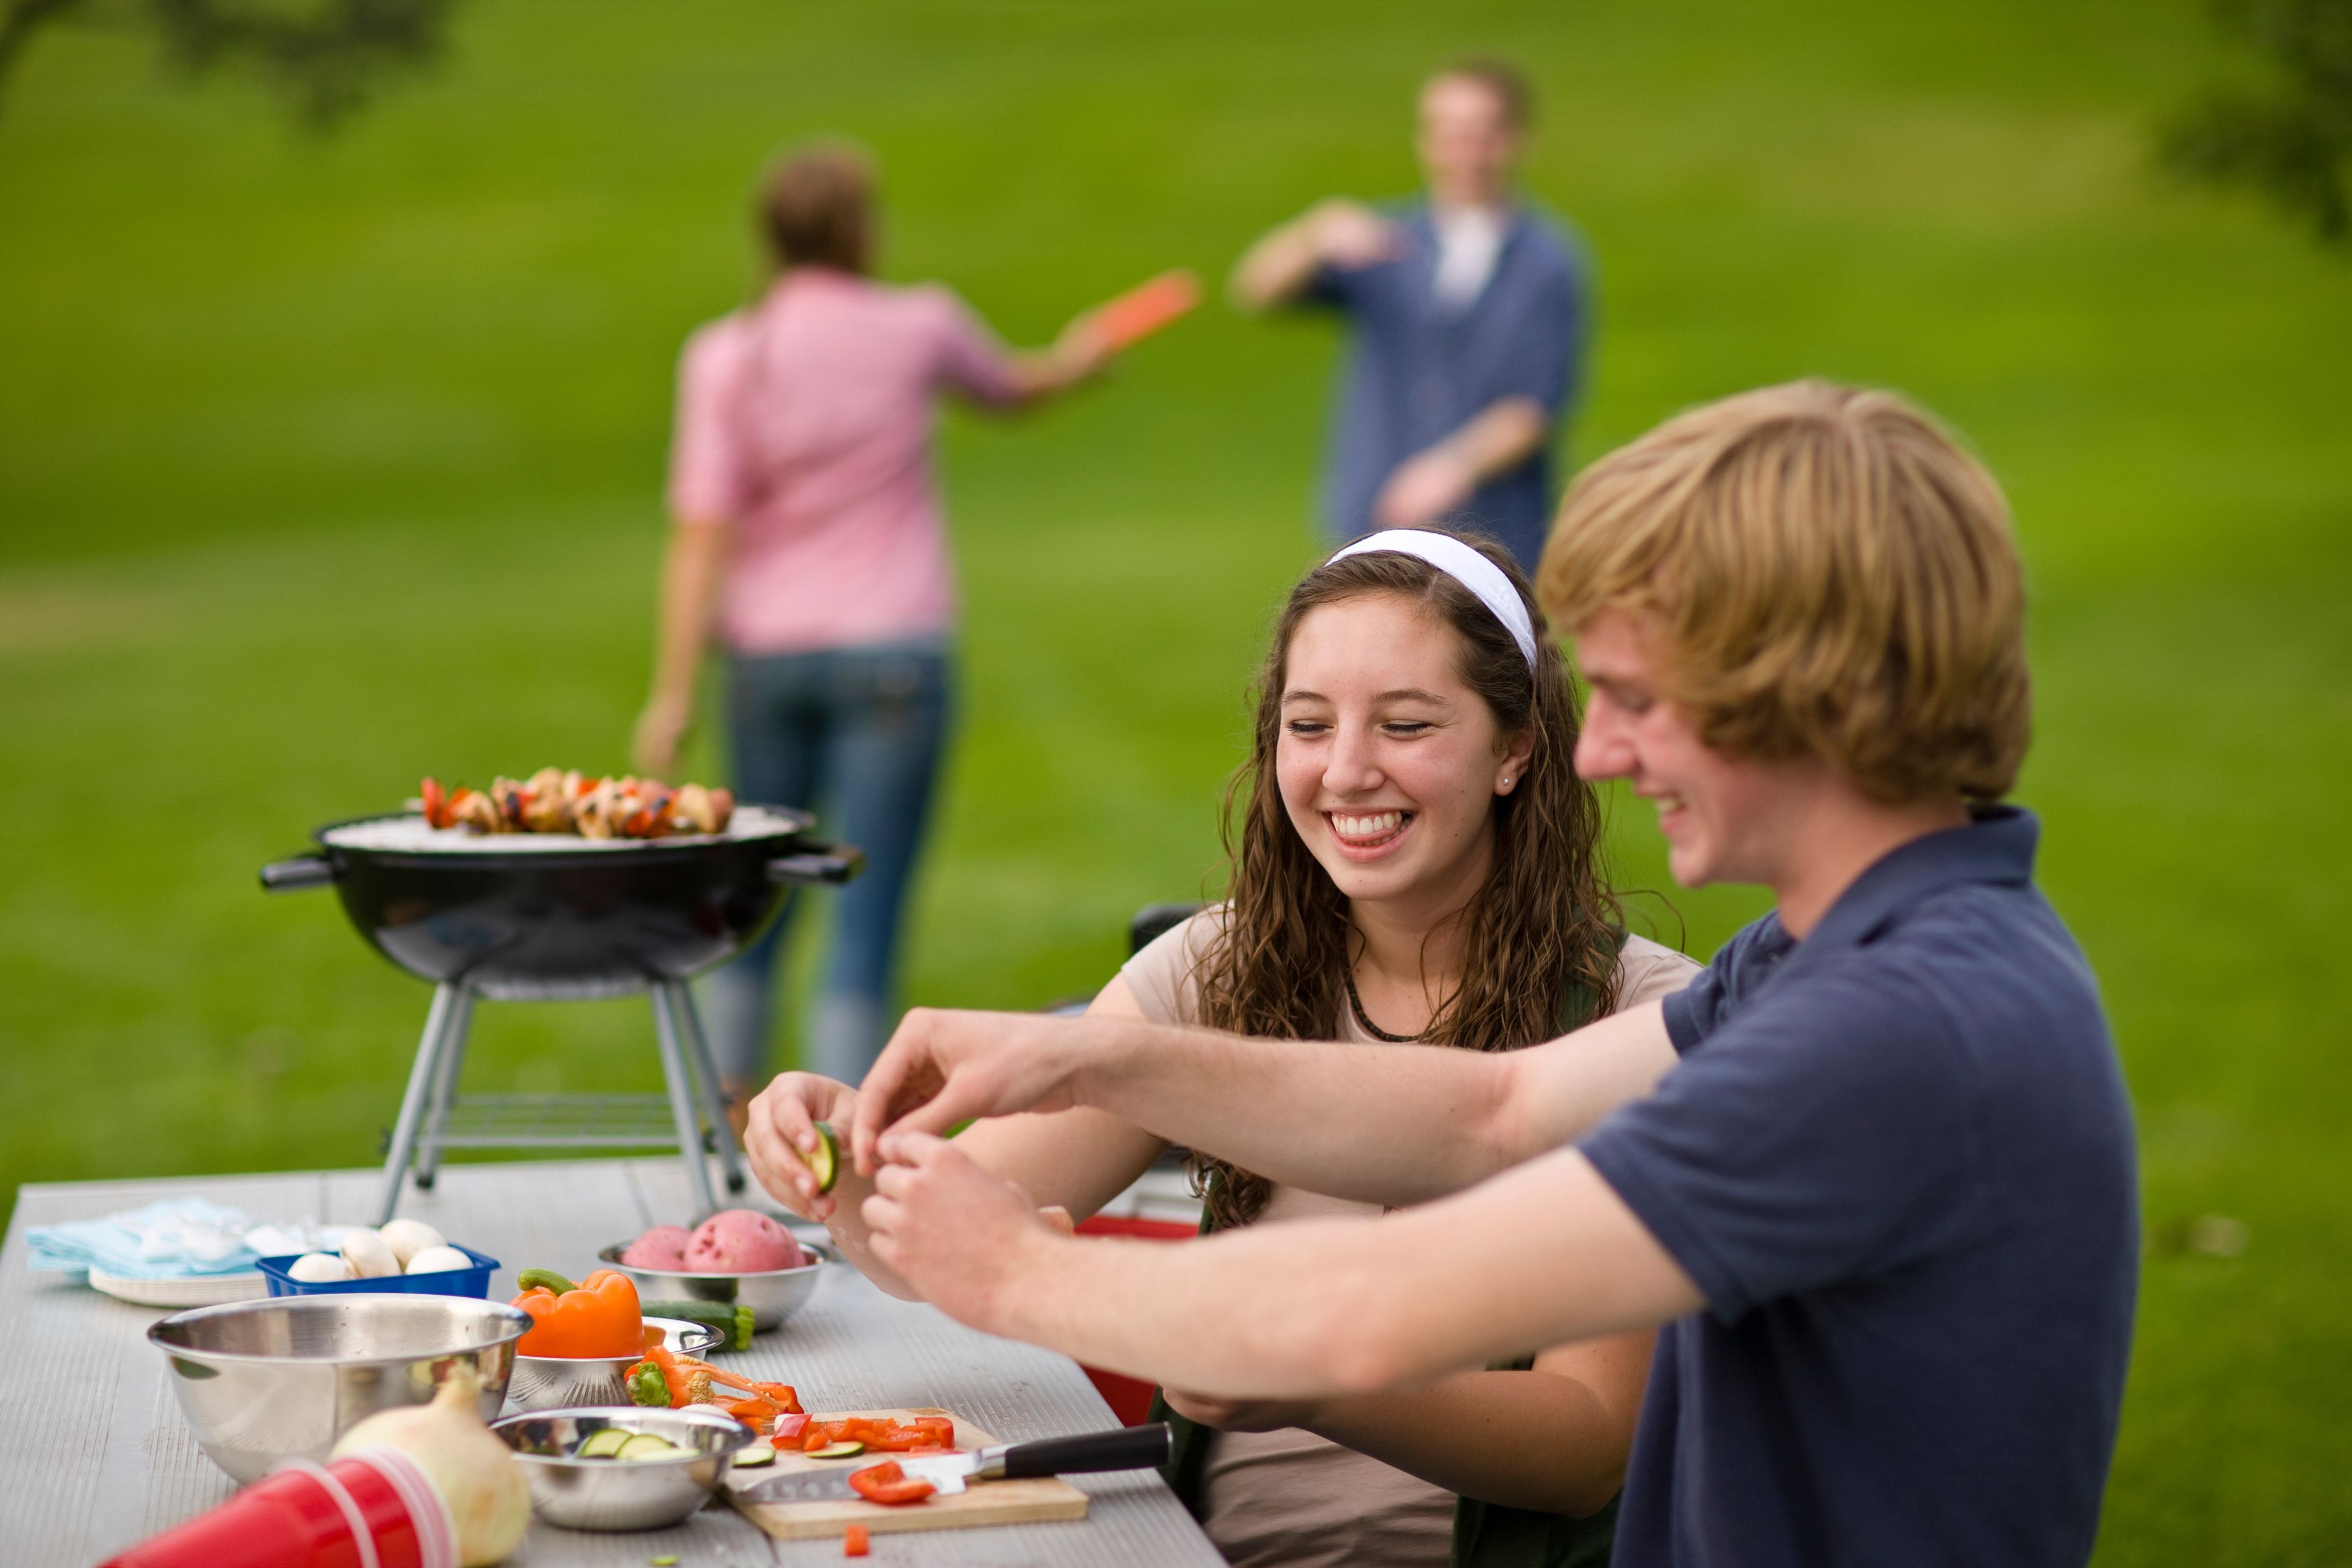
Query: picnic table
[[94, 1454]]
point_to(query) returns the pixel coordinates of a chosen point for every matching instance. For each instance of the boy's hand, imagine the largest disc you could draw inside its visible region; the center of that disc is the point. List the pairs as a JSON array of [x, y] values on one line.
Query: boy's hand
[[943, 1069], [955, 1233]]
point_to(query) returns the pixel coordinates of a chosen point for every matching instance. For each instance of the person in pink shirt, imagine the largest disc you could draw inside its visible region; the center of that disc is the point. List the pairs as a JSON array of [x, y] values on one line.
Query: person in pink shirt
[[809, 541]]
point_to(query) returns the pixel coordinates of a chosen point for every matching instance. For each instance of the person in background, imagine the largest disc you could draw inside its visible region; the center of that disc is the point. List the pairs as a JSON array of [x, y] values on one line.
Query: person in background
[[808, 539], [1469, 315]]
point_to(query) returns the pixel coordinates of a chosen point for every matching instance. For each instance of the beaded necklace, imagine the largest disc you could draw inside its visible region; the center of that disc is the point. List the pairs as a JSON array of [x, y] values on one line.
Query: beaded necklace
[[1364, 1019]]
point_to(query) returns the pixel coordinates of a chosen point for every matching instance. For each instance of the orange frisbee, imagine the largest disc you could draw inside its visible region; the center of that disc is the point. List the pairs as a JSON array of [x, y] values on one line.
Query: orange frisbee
[[1152, 306]]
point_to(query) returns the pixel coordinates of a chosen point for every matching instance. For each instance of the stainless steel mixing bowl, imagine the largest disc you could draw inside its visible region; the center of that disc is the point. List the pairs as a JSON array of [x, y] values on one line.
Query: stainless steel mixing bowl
[[283, 1377], [622, 1494], [545, 1382], [772, 1296]]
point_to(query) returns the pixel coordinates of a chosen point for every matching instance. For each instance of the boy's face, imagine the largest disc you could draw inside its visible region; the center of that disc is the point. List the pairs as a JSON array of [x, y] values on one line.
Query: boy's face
[[1724, 819], [1467, 142]]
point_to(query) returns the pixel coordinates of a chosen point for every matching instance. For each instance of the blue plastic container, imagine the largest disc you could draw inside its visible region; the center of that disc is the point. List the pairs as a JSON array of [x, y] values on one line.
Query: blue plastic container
[[473, 1282]]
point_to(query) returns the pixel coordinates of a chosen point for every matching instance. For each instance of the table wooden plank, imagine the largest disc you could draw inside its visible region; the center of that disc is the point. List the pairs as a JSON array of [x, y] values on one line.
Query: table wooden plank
[[84, 1475], [93, 1452]]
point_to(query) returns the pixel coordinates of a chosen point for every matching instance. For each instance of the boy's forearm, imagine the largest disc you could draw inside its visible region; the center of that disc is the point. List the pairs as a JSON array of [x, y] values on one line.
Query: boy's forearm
[[1500, 436], [1385, 1124], [1344, 1307], [1277, 268]]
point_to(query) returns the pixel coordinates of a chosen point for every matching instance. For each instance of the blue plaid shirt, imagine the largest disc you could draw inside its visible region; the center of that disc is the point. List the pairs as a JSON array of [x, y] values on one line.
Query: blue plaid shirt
[[1415, 372]]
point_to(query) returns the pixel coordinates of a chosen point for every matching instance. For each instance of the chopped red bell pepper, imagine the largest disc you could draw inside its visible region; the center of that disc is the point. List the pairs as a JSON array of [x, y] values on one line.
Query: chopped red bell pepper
[[753, 1413], [885, 1483], [788, 1430], [853, 1542]]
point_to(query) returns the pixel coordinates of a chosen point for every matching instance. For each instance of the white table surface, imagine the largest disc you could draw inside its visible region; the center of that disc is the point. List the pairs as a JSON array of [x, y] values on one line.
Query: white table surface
[[94, 1455]]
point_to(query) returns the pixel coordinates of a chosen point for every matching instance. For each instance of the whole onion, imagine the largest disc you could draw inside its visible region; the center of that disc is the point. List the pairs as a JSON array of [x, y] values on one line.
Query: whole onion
[[475, 1474]]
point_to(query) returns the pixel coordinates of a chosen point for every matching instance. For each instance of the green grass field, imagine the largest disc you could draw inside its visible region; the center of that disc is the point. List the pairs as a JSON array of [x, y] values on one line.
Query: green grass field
[[324, 464]]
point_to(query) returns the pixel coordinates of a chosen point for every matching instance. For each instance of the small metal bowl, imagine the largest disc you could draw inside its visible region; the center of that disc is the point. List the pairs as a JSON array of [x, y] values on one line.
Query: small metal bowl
[[772, 1296], [545, 1382], [284, 1376], [621, 1494]]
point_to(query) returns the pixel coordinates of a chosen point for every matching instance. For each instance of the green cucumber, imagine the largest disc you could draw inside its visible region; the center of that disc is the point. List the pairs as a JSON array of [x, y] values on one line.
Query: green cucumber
[[732, 1321], [757, 1454], [647, 1446], [836, 1451], [532, 1278], [824, 1161], [601, 1444]]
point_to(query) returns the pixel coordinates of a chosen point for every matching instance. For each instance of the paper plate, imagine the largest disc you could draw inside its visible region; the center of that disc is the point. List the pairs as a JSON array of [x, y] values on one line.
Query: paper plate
[[192, 1290]]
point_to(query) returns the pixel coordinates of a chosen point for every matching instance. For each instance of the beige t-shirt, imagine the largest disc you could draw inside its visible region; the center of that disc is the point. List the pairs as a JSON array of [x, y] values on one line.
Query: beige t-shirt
[[1290, 1499]]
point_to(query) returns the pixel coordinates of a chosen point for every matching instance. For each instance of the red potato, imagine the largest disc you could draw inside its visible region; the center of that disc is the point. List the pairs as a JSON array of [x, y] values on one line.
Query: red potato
[[738, 1241], [662, 1248]]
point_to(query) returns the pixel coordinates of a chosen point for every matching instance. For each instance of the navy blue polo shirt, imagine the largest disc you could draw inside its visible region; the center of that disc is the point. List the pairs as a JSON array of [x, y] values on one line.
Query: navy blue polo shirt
[[1416, 372], [1896, 1159]]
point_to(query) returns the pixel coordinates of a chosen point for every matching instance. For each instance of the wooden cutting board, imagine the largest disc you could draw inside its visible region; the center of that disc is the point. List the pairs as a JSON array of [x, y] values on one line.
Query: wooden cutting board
[[980, 1502]]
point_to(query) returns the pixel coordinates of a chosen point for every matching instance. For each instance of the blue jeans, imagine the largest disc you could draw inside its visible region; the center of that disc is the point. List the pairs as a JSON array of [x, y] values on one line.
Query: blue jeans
[[857, 734]]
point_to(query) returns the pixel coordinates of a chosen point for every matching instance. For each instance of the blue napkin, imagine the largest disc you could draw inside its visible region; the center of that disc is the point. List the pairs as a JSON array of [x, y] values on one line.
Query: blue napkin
[[173, 1239]]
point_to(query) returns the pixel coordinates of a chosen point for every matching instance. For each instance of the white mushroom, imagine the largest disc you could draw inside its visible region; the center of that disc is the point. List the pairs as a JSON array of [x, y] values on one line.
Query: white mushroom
[[370, 1259], [436, 1259], [407, 1237], [317, 1269]]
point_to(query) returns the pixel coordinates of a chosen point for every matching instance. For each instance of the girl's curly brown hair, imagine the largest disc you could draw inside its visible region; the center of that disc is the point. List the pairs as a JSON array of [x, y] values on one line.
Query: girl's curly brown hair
[[1543, 927]]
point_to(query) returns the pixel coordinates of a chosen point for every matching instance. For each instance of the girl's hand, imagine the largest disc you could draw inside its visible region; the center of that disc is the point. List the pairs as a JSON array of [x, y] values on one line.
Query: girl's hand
[[660, 729], [781, 1132]]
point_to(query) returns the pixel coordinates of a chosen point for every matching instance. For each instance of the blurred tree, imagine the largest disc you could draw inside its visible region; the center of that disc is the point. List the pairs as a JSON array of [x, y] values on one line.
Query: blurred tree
[[322, 55], [2295, 144]]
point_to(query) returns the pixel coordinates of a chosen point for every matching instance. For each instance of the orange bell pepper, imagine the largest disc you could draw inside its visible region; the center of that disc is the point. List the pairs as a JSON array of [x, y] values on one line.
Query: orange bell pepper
[[599, 1318]]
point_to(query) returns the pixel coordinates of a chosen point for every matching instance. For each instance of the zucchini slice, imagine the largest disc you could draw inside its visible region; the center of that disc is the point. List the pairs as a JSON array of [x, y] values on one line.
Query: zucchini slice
[[825, 1160], [647, 1446], [601, 1444], [836, 1451], [756, 1455]]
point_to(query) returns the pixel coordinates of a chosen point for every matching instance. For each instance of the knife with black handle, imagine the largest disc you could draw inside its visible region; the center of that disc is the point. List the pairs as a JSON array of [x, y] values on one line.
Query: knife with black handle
[[1121, 1448]]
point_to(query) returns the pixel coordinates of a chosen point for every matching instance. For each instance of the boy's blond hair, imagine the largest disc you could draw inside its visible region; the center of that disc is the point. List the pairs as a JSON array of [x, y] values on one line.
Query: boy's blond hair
[[1827, 574]]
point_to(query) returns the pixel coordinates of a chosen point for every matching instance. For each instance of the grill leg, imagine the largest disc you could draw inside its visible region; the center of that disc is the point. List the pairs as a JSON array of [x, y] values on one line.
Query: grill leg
[[444, 1093], [680, 1084], [706, 1080], [451, 1005]]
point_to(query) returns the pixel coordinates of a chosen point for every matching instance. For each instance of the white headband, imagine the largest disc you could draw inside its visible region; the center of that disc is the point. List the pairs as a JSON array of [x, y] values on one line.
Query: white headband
[[1466, 566]]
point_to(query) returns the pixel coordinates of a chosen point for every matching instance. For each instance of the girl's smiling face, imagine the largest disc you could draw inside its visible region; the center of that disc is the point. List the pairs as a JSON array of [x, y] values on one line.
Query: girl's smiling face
[[1389, 762]]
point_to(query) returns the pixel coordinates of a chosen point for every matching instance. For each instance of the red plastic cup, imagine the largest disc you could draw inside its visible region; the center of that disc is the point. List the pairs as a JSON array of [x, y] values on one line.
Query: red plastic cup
[[372, 1509]]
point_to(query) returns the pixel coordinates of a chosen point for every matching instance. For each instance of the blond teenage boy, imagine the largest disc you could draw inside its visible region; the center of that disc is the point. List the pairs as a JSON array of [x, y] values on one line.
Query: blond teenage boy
[[1873, 1171]]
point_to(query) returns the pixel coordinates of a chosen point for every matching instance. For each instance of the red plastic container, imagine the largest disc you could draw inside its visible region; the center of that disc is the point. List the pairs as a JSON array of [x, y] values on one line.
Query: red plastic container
[[372, 1509]]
